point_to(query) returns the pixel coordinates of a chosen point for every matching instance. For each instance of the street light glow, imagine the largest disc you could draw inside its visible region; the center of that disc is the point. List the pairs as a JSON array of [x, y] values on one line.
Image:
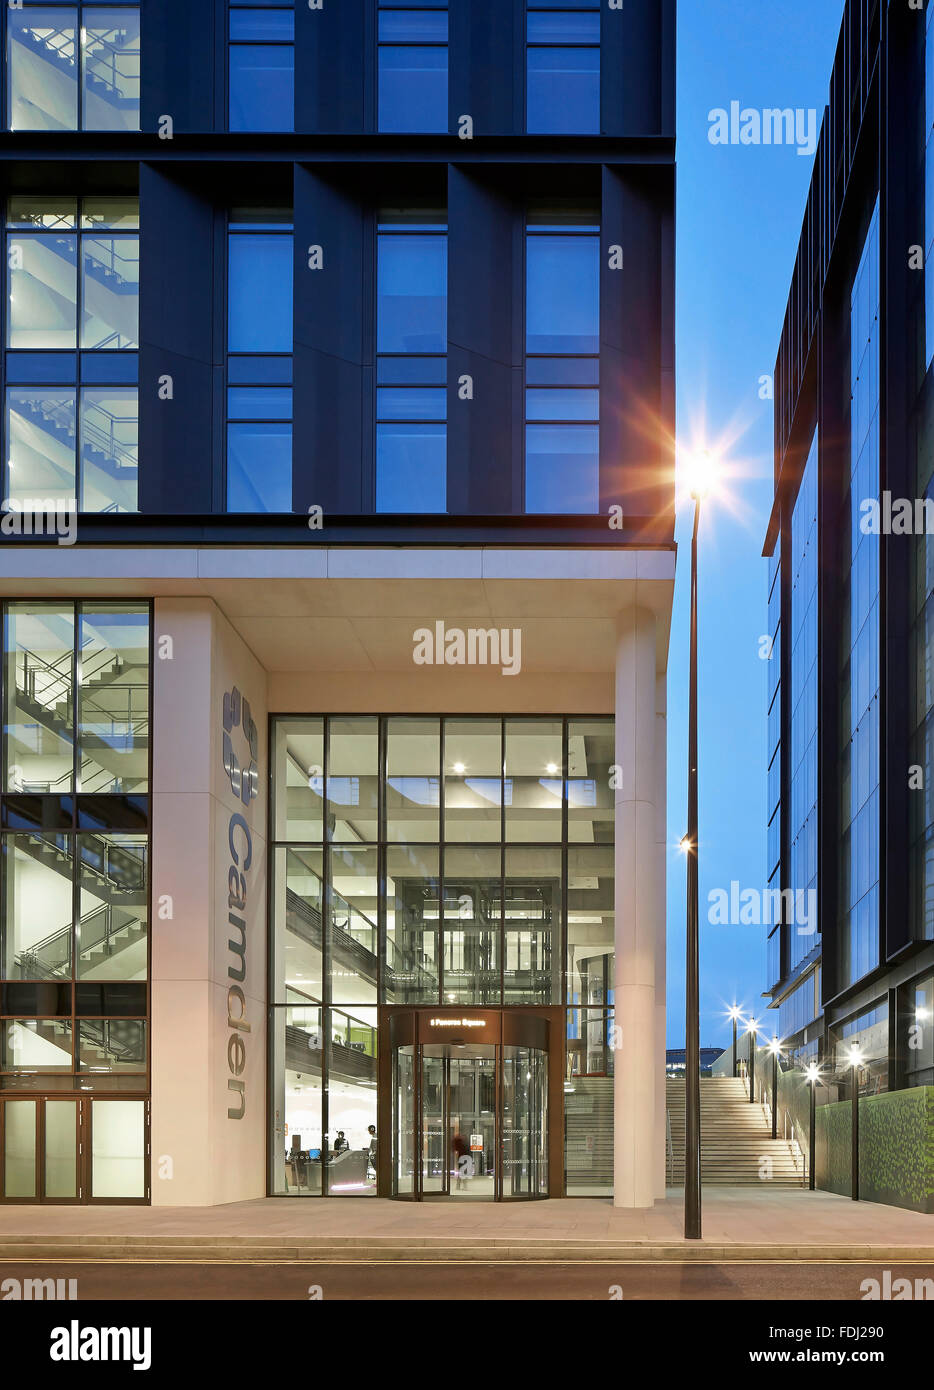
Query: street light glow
[[700, 473], [775, 1046], [813, 1073]]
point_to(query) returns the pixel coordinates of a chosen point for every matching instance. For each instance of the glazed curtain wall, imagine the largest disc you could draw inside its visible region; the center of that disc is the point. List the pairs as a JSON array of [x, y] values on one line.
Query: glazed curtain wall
[[74, 892], [426, 860]]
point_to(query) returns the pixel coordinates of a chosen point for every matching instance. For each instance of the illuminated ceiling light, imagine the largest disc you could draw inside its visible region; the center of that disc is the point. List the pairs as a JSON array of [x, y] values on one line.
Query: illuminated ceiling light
[[551, 769], [460, 769]]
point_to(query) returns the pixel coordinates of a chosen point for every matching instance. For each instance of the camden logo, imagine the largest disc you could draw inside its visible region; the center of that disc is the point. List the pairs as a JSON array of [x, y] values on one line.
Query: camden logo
[[242, 771]]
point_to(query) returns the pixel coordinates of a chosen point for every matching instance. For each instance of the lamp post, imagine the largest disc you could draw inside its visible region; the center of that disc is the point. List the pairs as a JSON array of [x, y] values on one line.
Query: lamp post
[[856, 1061], [692, 1155], [813, 1076], [775, 1048], [752, 1029], [736, 1016]]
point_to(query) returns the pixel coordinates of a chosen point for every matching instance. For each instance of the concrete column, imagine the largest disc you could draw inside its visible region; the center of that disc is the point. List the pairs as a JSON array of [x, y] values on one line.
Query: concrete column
[[208, 893], [661, 934], [636, 1063]]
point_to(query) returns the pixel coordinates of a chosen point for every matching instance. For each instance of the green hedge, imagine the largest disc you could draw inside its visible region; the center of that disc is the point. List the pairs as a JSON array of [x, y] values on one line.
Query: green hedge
[[896, 1148]]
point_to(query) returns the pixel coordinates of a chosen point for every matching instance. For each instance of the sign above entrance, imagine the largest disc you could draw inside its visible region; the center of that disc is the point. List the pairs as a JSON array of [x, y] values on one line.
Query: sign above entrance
[[457, 1023]]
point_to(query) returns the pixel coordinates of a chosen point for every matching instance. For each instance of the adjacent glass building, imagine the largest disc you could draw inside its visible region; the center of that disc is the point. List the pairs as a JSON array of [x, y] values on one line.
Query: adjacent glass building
[[849, 692]]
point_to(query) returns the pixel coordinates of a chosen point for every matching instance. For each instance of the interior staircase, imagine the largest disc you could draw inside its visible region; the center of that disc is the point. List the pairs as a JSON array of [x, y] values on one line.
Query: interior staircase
[[589, 1132], [737, 1148]]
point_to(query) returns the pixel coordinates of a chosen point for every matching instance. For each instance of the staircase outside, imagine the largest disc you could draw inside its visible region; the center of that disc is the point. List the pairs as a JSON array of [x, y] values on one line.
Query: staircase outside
[[737, 1148]]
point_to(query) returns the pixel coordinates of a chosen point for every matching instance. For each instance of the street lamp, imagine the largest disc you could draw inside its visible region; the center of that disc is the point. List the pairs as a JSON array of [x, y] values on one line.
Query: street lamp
[[813, 1076], [692, 1155], [775, 1048], [752, 1028], [856, 1061], [736, 1015]]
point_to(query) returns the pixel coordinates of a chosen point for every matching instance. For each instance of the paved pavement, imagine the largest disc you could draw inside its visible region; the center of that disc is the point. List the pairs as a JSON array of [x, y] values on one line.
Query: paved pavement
[[778, 1223]]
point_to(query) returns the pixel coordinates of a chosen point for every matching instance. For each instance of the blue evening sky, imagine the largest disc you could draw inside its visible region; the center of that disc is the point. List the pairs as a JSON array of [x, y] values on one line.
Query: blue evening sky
[[739, 218]]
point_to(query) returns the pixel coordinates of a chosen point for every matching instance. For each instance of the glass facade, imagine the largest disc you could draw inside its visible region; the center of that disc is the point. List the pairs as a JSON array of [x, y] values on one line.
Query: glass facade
[[802, 878], [71, 417], [411, 348], [868, 1032], [259, 360], [426, 861], [73, 67], [563, 67], [261, 54], [774, 963], [74, 900], [562, 364], [928, 177], [919, 1033], [858, 905]]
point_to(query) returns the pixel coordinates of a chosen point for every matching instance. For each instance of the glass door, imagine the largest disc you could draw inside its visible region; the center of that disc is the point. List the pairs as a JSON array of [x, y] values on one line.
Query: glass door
[[435, 1168], [472, 1122], [525, 1122], [458, 1120], [19, 1133], [61, 1149], [40, 1150], [404, 1122]]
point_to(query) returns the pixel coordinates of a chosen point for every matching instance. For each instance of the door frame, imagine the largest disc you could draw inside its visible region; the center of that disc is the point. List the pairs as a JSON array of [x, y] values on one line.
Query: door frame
[[403, 1025], [83, 1147]]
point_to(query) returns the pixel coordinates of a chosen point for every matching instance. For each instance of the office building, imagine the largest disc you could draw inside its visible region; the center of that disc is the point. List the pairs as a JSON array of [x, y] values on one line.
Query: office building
[[851, 701], [333, 799]]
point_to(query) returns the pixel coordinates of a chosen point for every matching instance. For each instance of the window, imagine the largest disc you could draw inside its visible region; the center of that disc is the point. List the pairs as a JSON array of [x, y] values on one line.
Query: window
[[71, 410], [74, 912], [869, 1035], [918, 1025], [775, 756], [259, 361], [929, 187], [262, 65], [411, 344], [563, 67], [413, 67], [858, 920], [73, 67], [803, 753], [562, 410]]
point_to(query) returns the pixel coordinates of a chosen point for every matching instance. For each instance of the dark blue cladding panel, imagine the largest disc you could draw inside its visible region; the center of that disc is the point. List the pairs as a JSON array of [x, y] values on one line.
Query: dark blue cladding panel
[[334, 53], [333, 348], [635, 445], [182, 62], [483, 433], [487, 55], [176, 340], [637, 63]]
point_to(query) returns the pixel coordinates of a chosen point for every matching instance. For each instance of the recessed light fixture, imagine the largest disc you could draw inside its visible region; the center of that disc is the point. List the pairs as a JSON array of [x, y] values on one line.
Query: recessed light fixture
[[460, 769], [551, 769]]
